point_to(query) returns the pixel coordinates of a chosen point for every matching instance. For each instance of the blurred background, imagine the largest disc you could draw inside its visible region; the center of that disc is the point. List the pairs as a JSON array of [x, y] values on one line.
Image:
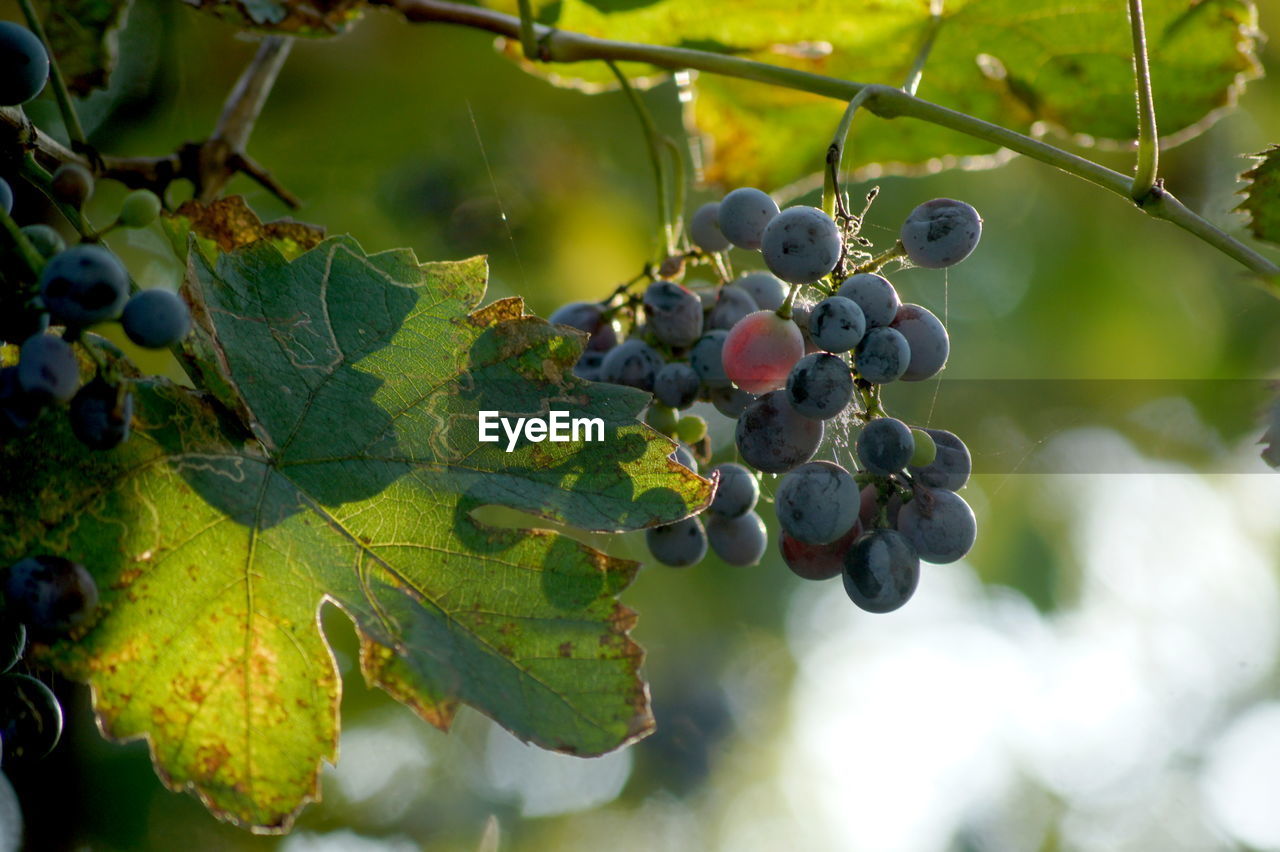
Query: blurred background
[[1101, 672]]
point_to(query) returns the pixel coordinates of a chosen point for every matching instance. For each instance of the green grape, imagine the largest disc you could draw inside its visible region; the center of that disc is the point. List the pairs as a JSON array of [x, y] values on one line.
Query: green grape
[[925, 449], [139, 209], [663, 418], [691, 429]]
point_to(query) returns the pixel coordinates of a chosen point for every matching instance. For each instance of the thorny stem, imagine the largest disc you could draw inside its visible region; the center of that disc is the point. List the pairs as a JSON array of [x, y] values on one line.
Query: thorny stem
[[884, 101], [69, 117], [653, 140], [1144, 178]]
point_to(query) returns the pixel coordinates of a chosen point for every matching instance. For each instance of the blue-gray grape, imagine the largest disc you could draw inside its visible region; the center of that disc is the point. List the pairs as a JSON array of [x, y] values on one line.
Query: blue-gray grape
[[49, 594], [817, 502], [801, 245], [679, 545], [738, 541], [820, 386], [24, 65], [885, 445], [84, 285], [941, 233], [704, 228], [881, 571], [737, 492], [874, 294], [731, 305], [589, 364], [676, 385], [773, 437], [939, 524], [743, 216], [706, 358], [769, 293], [837, 324], [951, 466], [44, 240], [634, 363], [156, 319], [926, 338], [731, 401], [882, 356], [674, 313], [591, 318], [47, 368], [30, 718], [100, 415], [6, 196]]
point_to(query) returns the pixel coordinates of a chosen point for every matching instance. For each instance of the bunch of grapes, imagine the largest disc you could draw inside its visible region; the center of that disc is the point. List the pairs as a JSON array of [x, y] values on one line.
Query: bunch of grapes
[[45, 284], [789, 353]]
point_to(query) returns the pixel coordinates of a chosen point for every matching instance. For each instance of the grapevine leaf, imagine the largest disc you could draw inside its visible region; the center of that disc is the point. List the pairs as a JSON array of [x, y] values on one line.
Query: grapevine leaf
[[1053, 64], [82, 34], [360, 378], [1262, 195], [311, 18]]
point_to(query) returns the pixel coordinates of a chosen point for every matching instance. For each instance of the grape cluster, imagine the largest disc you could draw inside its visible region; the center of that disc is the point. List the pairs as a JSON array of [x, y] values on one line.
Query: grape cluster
[[792, 354], [43, 597]]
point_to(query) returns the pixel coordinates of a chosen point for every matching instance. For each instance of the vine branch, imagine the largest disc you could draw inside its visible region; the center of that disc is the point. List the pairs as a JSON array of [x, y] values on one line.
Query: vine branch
[[883, 101], [1144, 178]]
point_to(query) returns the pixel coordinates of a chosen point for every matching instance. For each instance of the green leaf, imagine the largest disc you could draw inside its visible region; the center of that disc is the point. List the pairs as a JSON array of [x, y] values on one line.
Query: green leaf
[[82, 34], [1262, 195], [1032, 67], [317, 18], [360, 378]]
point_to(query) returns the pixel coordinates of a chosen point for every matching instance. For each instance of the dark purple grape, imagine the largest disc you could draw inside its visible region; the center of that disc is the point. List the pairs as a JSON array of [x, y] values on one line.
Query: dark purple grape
[[18, 409], [817, 561], [773, 437], [633, 363], [885, 446], [674, 313], [704, 228], [820, 386], [743, 215], [882, 356], [49, 594], [30, 718], [731, 306], [24, 65], [738, 541], [951, 466], [926, 338], [731, 401], [881, 571], [939, 524], [737, 491], [100, 415], [706, 358], [941, 233], [874, 295], [765, 289], [679, 545], [156, 319], [84, 285], [591, 318], [676, 385], [837, 324], [47, 368], [817, 502]]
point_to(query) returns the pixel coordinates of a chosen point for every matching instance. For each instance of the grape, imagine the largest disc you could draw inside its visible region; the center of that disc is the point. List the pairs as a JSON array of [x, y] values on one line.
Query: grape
[[869, 513], [885, 446], [155, 319], [731, 401], [20, 321], [139, 208], [675, 314], [634, 363], [662, 418], [6, 196], [737, 491], [801, 245], [769, 293], [874, 295], [773, 438], [47, 368], [30, 718], [18, 409], [743, 215], [837, 324], [881, 571], [684, 457], [738, 541], [927, 339], [84, 285], [589, 317], [733, 304], [72, 184], [882, 356], [817, 502], [44, 240], [941, 233], [951, 466], [678, 545], [24, 65], [704, 228], [925, 449], [13, 641], [49, 594], [691, 429], [588, 366], [706, 358], [939, 524], [761, 350], [676, 385], [100, 415], [820, 386], [817, 561]]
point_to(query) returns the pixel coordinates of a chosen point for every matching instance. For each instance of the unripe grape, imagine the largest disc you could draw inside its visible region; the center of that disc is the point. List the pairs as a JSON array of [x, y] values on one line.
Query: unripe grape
[[139, 209], [951, 466], [44, 239], [72, 184], [691, 429], [743, 216], [801, 245], [662, 418], [941, 233], [24, 65], [704, 228], [925, 450], [761, 350]]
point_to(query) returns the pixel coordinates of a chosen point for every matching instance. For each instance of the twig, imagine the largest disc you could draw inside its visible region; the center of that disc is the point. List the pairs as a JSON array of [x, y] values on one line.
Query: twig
[[832, 200], [1144, 178]]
